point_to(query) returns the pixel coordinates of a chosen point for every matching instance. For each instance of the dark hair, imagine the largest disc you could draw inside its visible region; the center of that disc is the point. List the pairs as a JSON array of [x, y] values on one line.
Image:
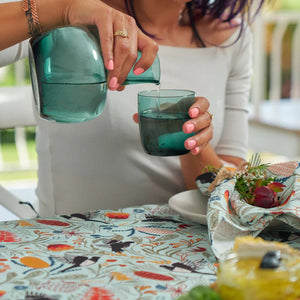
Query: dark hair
[[226, 10]]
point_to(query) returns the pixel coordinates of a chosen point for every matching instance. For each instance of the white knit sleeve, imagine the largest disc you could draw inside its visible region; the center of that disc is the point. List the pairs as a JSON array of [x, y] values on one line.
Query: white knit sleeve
[[234, 138], [13, 53]]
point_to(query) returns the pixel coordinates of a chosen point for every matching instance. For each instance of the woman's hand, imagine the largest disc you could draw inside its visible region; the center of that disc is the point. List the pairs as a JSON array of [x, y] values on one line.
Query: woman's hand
[[200, 123], [119, 53]]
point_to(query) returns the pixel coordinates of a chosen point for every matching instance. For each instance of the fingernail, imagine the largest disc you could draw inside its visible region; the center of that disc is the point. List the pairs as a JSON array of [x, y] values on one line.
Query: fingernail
[[195, 151], [189, 128], [138, 71], [191, 143], [110, 65], [194, 112], [113, 83]]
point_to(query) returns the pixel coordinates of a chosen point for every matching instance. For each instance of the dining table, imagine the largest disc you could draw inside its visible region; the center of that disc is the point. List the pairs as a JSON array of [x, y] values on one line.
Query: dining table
[[143, 252]]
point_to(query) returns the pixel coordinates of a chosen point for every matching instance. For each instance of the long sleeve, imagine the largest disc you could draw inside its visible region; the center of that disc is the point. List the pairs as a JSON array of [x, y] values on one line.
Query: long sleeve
[[13, 53], [234, 138]]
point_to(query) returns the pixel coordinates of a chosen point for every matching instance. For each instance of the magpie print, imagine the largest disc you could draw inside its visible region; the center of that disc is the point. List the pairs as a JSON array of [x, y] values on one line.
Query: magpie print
[[82, 217], [117, 246], [80, 261], [186, 267]]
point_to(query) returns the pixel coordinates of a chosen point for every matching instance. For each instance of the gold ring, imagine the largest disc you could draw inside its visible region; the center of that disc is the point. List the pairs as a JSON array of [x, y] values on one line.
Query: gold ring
[[122, 33], [210, 115]]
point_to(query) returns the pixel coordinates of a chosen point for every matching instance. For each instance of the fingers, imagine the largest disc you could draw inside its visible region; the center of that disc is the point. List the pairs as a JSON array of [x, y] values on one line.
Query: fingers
[[200, 106], [200, 123], [105, 29], [119, 53], [197, 142], [149, 49], [135, 118], [125, 51]]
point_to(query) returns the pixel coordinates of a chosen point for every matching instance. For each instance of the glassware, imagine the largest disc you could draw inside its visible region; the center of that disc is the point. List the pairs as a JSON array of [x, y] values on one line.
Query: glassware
[[241, 277], [162, 114], [68, 74]]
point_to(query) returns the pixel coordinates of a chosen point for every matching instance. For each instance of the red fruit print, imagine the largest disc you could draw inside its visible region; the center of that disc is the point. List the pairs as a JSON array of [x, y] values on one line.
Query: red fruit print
[[97, 293], [199, 249], [53, 222], [8, 237], [59, 247], [183, 226], [226, 196], [154, 276], [2, 293], [117, 215]]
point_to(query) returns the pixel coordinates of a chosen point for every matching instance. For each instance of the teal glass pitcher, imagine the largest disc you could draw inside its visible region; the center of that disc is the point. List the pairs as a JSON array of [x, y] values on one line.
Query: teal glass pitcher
[[68, 76]]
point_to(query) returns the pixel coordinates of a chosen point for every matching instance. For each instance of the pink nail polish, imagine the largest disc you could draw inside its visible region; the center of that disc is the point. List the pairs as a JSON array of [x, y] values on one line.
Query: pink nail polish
[[194, 112], [110, 65], [189, 127], [195, 151], [191, 143], [113, 83], [138, 71]]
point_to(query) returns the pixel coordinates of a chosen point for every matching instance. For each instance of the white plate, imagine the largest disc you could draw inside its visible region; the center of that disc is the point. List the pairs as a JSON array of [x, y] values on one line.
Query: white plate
[[190, 204]]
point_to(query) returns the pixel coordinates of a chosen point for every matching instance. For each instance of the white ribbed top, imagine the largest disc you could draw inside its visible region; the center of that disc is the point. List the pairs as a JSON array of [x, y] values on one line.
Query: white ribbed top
[[100, 164]]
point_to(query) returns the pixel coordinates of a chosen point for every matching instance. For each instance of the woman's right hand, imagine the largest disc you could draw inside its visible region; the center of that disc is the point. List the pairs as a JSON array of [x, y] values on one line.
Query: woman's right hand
[[119, 53]]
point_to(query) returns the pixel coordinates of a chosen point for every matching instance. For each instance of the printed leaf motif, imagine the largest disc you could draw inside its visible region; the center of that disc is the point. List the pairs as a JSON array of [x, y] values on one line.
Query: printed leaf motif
[[34, 262], [120, 276], [35, 273]]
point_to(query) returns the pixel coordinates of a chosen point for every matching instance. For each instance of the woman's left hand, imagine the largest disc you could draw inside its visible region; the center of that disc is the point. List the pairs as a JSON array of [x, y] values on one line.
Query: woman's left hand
[[200, 123]]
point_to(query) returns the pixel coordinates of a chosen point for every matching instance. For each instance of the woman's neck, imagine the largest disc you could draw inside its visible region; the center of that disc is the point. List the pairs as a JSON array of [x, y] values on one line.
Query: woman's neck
[[159, 14]]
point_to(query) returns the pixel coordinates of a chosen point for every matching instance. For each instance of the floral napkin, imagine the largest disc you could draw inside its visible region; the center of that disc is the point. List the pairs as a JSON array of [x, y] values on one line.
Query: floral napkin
[[229, 216]]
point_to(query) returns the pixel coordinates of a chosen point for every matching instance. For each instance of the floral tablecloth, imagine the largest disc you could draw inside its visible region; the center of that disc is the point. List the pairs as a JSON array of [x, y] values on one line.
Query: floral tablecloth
[[147, 252]]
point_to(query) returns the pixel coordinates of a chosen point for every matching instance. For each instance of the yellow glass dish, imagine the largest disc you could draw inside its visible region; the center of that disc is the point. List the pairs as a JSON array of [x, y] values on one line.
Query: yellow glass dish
[[241, 278]]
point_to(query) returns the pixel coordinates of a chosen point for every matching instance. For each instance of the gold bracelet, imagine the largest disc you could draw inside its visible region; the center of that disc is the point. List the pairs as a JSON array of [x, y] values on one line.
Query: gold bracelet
[[30, 9]]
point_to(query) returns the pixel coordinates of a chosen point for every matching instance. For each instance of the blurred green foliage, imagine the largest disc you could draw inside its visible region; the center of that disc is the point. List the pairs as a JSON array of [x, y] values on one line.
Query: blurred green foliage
[[7, 136], [290, 4], [10, 78]]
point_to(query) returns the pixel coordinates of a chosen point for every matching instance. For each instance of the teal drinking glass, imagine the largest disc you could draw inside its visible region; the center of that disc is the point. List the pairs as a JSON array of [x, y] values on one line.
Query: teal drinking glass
[[162, 114], [68, 76]]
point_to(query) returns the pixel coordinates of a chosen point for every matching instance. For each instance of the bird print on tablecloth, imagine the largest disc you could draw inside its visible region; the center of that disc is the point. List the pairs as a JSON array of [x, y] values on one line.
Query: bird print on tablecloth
[[77, 261], [187, 266], [81, 217], [39, 296], [153, 218], [118, 246]]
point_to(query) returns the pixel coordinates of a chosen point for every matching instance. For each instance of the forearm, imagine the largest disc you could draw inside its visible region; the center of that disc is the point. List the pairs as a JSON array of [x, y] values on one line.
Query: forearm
[[14, 24], [194, 165]]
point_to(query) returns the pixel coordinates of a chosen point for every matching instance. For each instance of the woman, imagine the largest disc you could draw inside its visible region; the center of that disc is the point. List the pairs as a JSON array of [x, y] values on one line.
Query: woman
[[100, 164], [17, 24]]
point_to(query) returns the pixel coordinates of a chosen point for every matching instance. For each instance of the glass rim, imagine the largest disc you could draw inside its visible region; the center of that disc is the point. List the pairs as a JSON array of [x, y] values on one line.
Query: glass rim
[[155, 93], [236, 256]]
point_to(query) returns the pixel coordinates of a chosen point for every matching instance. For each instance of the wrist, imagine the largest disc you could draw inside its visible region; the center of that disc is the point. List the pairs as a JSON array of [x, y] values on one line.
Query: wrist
[[51, 13]]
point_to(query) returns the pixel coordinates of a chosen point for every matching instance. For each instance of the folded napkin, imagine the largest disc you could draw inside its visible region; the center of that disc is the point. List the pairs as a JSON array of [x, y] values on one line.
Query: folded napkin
[[229, 216]]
